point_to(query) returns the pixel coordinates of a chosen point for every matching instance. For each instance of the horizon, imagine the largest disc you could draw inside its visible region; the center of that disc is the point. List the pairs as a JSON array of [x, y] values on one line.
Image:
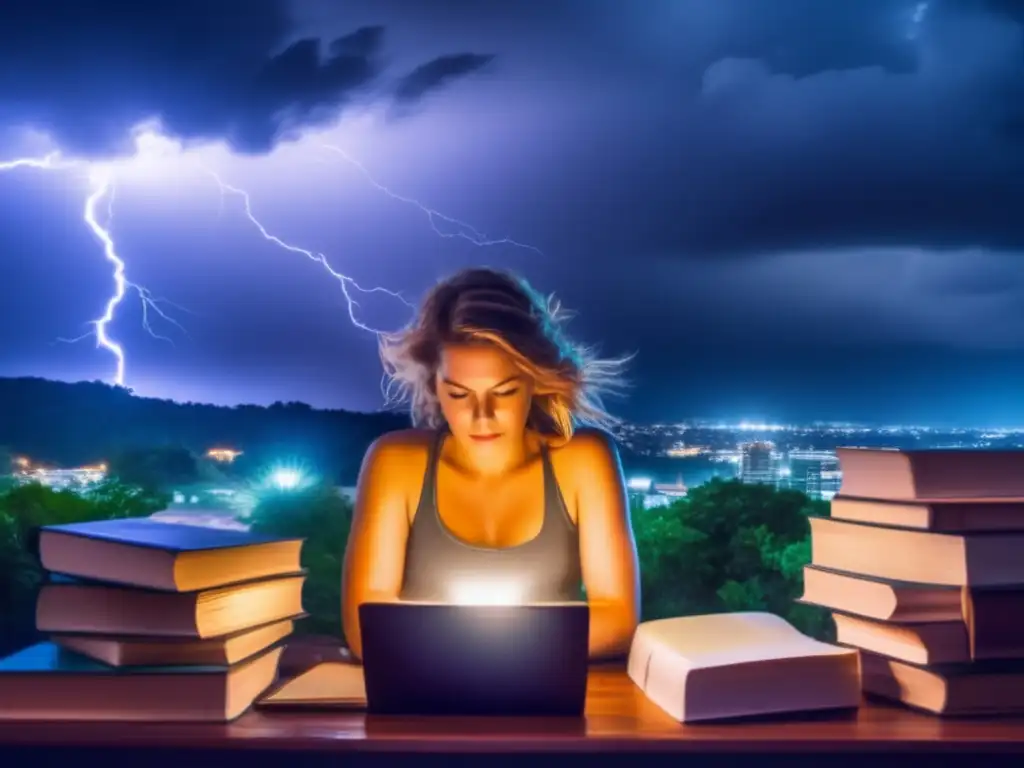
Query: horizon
[[735, 422]]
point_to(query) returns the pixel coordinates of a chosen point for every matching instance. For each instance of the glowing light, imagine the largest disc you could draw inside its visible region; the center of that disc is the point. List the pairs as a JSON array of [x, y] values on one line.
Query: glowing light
[[286, 479], [286, 476], [224, 455], [485, 592]]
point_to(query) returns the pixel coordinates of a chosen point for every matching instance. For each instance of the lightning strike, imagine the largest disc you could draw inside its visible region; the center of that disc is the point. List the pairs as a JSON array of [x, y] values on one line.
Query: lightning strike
[[102, 184], [917, 20], [344, 280], [459, 229], [101, 181], [48, 162]]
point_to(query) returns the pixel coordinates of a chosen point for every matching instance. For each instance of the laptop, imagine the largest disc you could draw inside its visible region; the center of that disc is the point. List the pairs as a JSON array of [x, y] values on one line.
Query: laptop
[[443, 659]]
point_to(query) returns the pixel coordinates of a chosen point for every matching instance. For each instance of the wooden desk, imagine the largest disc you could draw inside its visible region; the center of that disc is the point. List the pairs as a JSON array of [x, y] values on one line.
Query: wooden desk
[[620, 725]]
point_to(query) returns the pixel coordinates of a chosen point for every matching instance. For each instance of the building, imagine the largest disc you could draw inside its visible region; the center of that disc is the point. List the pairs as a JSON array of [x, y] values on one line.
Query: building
[[639, 488], [650, 494], [676, 490], [831, 480], [815, 473], [760, 464], [726, 464]]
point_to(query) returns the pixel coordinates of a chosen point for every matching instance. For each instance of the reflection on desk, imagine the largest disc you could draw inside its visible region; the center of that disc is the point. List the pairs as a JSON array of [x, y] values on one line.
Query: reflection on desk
[[618, 719]]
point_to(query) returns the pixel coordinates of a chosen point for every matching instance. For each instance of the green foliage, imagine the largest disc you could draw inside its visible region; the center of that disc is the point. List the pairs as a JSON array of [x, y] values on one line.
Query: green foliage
[[162, 468], [726, 547], [23, 510], [6, 460], [729, 547], [322, 517]]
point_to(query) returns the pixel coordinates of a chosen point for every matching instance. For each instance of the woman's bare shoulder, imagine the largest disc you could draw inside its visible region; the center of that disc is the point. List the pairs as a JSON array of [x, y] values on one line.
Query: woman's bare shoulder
[[402, 445], [582, 452], [407, 438], [584, 442]]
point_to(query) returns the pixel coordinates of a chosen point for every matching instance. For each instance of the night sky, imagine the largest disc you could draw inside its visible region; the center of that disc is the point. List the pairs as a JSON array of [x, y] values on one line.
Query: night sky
[[789, 209]]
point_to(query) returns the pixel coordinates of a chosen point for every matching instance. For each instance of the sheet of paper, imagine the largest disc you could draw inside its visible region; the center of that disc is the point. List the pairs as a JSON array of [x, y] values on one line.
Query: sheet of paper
[[329, 684]]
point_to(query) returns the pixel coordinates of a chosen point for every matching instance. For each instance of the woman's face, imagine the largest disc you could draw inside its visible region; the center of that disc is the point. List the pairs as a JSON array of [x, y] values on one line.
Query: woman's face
[[484, 396]]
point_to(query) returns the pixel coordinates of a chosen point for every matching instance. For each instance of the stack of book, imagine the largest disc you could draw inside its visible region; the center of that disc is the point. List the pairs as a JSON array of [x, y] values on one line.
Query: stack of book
[[922, 565], [149, 620]]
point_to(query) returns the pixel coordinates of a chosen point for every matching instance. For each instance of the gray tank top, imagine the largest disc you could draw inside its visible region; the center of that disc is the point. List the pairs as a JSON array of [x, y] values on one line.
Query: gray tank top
[[544, 569]]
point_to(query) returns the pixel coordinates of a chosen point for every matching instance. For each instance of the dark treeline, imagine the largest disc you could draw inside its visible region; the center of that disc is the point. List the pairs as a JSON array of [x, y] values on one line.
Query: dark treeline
[[73, 424]]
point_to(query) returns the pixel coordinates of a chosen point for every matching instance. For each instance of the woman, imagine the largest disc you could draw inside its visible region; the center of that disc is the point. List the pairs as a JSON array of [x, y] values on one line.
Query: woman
[[495, 497]]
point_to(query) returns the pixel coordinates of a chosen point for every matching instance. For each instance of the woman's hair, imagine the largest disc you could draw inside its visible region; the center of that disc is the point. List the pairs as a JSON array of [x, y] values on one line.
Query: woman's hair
[[488, 306]]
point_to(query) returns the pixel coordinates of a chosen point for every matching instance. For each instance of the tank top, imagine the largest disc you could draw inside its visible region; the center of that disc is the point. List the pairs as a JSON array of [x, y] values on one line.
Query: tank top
[[441, 567]]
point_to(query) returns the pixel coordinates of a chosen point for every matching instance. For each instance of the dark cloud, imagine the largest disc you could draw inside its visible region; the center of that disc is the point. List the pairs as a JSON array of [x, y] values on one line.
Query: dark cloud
[[867, 156], [802, 37], [437, 74], [87, 73]]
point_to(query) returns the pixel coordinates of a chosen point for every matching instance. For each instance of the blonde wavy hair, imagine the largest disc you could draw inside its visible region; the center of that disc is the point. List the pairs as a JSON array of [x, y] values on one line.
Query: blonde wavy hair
[[488, 306]]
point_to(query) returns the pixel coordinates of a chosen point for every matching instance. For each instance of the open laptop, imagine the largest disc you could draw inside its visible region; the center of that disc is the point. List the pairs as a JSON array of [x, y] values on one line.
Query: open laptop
[[443, 659]]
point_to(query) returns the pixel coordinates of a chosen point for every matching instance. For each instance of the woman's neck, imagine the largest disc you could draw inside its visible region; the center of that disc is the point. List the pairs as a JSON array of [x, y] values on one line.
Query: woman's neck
[[489, 463]]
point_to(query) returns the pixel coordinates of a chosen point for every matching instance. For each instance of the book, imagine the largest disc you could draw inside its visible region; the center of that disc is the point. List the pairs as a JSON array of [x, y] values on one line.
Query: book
[[123, 651], [328, 685], [920, 475], [885, 600], [93, 608], [739, 664], [976, 559], [944, 516], [46, 682], [937, 642], [142, 552], [980, 688]]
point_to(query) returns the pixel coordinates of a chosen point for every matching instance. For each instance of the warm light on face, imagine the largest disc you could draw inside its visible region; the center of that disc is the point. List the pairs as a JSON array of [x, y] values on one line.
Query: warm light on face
[[485, 592], [482, 393]]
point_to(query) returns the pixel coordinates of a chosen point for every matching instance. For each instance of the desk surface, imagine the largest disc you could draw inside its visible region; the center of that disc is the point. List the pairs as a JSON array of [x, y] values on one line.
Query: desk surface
[[618, 719]]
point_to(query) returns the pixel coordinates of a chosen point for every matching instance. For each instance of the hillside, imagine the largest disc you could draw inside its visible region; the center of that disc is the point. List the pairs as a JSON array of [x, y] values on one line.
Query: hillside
[[73, 424]]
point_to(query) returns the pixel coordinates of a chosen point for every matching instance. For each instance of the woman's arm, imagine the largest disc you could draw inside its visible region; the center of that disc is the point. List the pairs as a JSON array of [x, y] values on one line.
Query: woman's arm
[[607, 549], [375, 554]]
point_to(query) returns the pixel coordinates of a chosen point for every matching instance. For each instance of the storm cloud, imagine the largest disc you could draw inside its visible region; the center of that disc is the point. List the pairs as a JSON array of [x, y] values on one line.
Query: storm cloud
[[205, 70]]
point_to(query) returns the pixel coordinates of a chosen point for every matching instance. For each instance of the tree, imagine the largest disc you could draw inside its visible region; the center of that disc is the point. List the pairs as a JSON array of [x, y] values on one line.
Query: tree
[[26, 508], [322, 517], [729, 547], [726, 547], [6, 460], [160, 468]]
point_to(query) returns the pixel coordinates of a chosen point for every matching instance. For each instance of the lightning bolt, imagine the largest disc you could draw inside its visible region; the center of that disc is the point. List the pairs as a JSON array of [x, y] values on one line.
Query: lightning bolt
[[458, 229], [917, 20], [101, 180], [49, 162], [346, 282], [102, 184]]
